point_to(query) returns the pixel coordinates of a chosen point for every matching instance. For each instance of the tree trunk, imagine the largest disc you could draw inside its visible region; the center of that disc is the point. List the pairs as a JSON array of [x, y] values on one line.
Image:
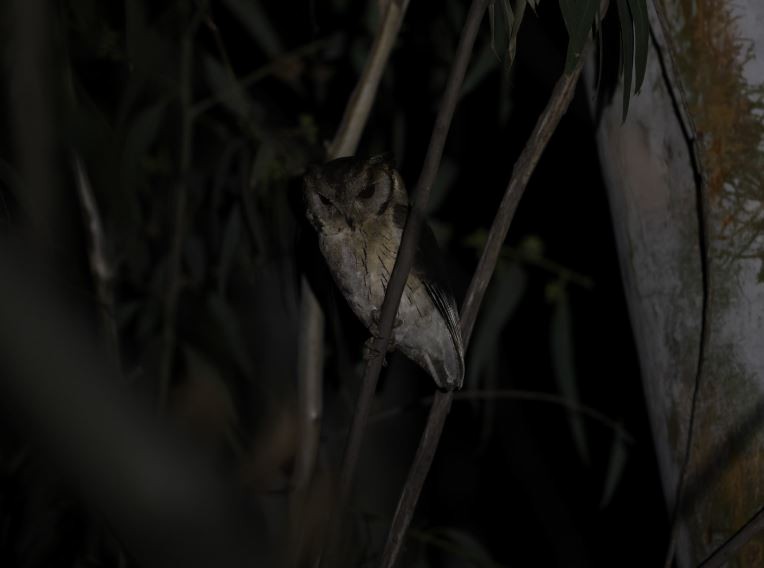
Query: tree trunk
[[689, 238]]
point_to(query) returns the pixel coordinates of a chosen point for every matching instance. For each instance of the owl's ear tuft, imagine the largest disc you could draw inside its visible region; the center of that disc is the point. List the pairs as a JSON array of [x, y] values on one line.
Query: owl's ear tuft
[[387, 158]]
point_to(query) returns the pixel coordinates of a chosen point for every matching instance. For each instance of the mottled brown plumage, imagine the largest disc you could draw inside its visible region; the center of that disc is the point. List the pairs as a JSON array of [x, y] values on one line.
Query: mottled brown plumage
[[359, 207]]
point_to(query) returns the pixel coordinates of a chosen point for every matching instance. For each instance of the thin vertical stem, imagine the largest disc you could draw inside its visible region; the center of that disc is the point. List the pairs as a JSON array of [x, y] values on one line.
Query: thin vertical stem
[[526, 163], [405, 256], [172, 287]]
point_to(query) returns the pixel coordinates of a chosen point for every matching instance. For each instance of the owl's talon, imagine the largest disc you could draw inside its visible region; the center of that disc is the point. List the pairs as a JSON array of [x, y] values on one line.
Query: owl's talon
[[359, 210], [370, 351], [375, 317]]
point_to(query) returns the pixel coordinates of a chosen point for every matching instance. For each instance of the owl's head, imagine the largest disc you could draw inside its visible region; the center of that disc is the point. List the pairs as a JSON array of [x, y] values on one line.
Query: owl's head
[[346, 193]]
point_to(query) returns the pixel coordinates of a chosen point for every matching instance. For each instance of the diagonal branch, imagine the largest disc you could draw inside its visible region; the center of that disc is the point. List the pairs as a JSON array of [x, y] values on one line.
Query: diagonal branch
[[405, 256], [310, 340], [310, 354], [726, 552], [526, 163], [358, 107]]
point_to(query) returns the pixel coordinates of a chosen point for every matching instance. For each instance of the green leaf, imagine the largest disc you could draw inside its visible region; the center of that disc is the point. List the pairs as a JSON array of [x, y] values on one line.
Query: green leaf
[[563, 364], [141, 134], [512, 47], [615, 468], [504, 294], [231, 237], [509, 16], [229, 331], [226, 88], [481, 68], [444, 182], [638, 10], [492, 24], [579, 16], [627, 51], [254, 18], [461, 544]]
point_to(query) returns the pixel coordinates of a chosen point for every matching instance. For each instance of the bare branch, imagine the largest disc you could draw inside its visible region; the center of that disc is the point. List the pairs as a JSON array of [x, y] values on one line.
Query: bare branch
[[309, 387], [425, 453], [526, 163], [519, 396], [310, 341], [357, 110], [732, 545], [408, 244]]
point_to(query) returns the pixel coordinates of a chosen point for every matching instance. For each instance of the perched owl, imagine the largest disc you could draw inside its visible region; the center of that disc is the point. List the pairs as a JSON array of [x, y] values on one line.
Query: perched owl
[[359, 208]]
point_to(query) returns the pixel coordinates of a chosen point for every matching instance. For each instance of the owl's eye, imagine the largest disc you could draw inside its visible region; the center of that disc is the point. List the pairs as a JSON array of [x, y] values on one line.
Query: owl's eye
[[367, 192], [324, 200]]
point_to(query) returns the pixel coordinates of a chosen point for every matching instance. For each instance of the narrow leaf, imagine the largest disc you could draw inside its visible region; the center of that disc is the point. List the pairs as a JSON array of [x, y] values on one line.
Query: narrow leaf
[[627, 51], [638, 10], [226, 88], [561, 336], [578, 16], [492, 23], [481, 68], [504, 294], [512, 47], [509, 16], [615, 468], [464, 545], [255, 20], [231, 237]]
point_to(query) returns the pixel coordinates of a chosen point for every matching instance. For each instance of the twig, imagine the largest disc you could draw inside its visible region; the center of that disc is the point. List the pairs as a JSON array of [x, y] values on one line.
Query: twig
[[310, 341], [519, 395], [452, 548], [203, 105], [309, 399], [100, 266], [357, 110], [727, 550], [687, 124], [408, 244], [548, 265], [172, 288], [526, 163], [344, 144]]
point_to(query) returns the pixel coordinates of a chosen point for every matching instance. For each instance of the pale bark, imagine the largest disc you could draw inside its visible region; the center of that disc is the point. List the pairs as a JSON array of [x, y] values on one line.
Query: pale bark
[[654, 189]]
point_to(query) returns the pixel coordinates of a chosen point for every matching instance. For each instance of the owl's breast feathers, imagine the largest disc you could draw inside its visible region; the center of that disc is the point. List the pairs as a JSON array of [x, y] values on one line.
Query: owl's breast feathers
[[429, 333], [359, 208]]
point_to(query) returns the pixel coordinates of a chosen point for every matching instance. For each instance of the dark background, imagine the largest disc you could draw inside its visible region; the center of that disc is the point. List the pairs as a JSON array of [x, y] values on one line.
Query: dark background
[[514, 483]]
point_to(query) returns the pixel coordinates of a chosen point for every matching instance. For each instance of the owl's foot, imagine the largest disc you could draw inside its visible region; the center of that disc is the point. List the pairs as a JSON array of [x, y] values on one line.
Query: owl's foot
[[374, 328], [370, 351]]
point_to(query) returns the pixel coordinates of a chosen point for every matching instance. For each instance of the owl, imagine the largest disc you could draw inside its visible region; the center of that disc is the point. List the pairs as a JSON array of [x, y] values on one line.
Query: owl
[[359, 208]]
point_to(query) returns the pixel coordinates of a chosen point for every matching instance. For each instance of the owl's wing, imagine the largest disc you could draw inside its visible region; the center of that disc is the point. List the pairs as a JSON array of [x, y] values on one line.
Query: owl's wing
[[428, 265]]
